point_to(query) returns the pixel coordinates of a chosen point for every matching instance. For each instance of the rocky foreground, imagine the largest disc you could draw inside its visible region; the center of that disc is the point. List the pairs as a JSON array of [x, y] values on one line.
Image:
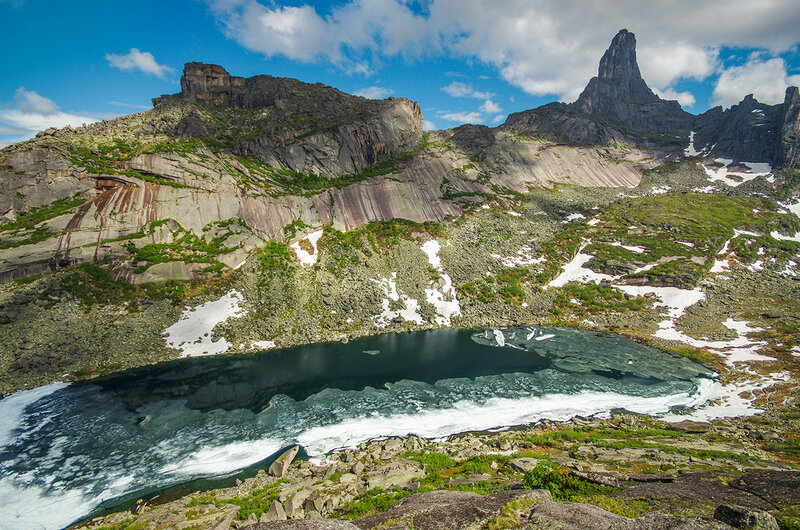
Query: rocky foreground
[[626, 472]]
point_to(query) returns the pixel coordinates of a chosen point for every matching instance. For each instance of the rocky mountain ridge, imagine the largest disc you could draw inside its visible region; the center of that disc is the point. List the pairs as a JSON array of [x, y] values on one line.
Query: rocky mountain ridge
[[618, 106]]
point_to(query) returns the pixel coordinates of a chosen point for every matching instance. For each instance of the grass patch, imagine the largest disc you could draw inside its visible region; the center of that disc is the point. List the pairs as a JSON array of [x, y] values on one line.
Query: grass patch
[[568, 488], [375, 500], [592, 299], [35, 216]]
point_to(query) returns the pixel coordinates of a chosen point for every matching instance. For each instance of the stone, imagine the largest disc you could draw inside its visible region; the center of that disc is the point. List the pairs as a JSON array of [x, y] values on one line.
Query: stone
[[740, 517], [523, 465], [394, 474], [444, 510], [304, 524], [358, 467], [280, 466], [275, 513]]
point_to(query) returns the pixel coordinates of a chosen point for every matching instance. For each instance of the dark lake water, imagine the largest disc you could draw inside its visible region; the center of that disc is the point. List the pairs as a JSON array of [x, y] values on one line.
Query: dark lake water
[[66, 449]]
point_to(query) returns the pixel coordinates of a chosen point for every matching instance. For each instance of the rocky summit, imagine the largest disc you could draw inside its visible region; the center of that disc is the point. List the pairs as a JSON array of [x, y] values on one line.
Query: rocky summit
[[246, 214]]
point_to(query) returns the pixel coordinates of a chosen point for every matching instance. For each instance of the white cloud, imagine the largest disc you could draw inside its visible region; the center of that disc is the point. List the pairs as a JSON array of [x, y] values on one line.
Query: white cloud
[[765, 79], [428, 125], [33, 113], [129, 105], [136, 60], [686, 99], [30, 102], [498, 118], [541, 47], [490, 107], [373, 92], [463, 117], [458, 89]]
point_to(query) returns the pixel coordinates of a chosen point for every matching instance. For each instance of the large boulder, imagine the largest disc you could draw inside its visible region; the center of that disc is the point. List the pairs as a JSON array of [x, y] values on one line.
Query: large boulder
[[446, 510]]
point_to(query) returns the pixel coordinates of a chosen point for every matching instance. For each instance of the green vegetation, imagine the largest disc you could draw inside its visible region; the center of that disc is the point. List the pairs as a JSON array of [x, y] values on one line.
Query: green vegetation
[[510, 280], [109, 159], [186, 246], [90, 284], [592, 299], [374, 501], [629, 439], [349, 248], [290, 230], [275, 256], [256, 503], [568, 488], [307, 184], [28, 220]]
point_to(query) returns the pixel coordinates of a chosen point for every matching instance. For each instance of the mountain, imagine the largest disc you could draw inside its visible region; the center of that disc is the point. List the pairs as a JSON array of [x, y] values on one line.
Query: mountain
[[311, 205], [618, 106]]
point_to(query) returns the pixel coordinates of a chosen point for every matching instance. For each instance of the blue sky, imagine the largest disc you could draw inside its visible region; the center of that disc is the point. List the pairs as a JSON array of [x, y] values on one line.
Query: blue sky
[[463, 60]]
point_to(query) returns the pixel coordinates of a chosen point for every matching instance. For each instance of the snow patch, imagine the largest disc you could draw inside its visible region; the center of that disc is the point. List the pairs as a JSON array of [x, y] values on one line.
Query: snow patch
[[191, 334], [444, 299], [722, 174], [574, 271], [638, 250], [409, 312], [306, 258], [523, 258], [691, 151]]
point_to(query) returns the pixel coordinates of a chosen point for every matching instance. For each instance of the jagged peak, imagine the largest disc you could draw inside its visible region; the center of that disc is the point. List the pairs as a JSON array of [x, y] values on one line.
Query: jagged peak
[[619, 60]]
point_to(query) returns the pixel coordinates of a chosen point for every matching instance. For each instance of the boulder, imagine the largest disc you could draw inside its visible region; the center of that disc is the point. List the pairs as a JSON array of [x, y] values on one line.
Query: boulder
[[444, 510], [523, 465], [275, 513], [394, 474], [740, 517], [280, 466]]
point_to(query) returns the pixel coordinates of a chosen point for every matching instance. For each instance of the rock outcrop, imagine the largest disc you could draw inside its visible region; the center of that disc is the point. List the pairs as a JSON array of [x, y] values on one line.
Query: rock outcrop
[[618, 106], [261, 153]]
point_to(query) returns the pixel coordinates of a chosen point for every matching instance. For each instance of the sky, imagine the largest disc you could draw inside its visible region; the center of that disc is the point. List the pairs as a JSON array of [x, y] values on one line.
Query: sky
[[464, 61]]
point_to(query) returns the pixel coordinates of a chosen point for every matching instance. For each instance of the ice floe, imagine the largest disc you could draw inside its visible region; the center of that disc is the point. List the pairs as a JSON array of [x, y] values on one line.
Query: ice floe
[[191, 334]]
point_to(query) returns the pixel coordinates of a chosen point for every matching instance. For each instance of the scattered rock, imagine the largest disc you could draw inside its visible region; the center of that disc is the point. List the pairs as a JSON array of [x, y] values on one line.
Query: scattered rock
[[739, 517]]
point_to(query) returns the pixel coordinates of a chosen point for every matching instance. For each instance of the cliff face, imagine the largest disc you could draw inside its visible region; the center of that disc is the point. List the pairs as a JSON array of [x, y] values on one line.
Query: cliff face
[[618, 106], [209, 175], [287, 123]]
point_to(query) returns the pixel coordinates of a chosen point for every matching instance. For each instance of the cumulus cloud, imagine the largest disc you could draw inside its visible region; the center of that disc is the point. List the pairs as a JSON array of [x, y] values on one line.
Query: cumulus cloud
[[32, 113], [490, 107], [463, 117], [137, 60], [545, 48], [458, 89], [686, 99], [428, 125], [765, 79], [129, 105], [373, 92]]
